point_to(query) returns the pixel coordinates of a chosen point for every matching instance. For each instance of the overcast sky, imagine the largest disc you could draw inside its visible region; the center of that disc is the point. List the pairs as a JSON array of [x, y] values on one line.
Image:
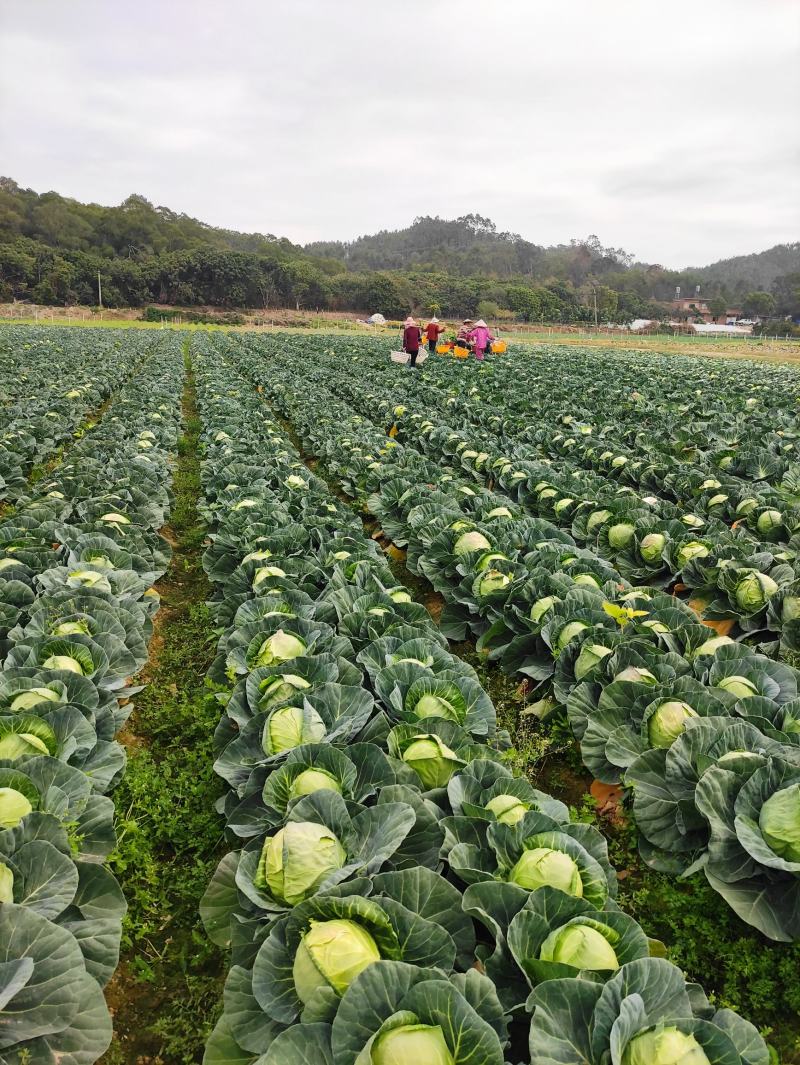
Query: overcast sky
[[670, 129]]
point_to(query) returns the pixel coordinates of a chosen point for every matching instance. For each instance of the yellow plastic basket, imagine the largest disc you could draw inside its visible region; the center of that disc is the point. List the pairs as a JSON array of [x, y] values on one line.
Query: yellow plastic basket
[[498, 347], [460, 353], [442, 349]]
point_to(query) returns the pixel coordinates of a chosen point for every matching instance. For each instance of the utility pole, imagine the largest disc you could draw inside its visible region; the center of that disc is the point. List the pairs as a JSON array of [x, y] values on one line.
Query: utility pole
[[99, 292]]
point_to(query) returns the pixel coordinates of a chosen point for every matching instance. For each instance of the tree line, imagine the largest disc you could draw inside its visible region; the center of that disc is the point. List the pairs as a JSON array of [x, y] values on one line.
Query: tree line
[[52, 250]]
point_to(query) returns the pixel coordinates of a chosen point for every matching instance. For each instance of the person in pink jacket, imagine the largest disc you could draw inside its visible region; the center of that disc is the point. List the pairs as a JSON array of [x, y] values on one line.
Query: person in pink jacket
[[481, 338]]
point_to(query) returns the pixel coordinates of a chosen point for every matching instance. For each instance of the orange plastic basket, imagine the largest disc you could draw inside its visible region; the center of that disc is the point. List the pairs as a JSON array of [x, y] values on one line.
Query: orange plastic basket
[[442, 349], [498, 347], [460, 353]]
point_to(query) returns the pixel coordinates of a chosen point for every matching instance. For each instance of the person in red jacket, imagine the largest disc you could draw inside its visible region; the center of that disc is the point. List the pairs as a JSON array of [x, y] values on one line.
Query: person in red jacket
[[412, 339], [432, 333]]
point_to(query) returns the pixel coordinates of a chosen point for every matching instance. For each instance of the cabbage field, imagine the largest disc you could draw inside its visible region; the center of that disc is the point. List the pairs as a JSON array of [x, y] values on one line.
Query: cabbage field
[[499, 668]]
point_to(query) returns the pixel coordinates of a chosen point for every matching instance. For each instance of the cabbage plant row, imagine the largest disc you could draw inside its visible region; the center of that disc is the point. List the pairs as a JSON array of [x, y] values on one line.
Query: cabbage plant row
[[656, 700], [78, 559], [396, 895], [51, 381], [690, 526]]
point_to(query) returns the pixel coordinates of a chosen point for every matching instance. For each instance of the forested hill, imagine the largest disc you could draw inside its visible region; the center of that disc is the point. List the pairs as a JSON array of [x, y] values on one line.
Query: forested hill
[[52, 249], [757, 271], [472, 246]]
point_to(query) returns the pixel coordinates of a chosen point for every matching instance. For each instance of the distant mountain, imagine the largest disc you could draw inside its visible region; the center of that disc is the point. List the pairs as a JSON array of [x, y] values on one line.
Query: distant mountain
[[471, 246], [757, 271]]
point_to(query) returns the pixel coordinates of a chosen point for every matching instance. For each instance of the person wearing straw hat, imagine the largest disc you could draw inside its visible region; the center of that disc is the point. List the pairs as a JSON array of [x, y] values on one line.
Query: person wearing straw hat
[[481, 338], [464, 334], [412, 339], [432, 333]]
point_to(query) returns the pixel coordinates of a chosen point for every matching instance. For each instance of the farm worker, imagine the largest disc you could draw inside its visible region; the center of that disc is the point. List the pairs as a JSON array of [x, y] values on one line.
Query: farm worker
[[412, 338], [481, 337], [432, 333], [464, 335]]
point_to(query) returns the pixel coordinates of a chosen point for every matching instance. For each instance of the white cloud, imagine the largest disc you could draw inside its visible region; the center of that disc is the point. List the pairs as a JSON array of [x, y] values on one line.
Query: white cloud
[[669, 130]]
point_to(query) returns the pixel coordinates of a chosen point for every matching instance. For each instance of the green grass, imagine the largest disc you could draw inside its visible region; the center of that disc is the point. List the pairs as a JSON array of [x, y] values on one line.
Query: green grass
[[166, 994]]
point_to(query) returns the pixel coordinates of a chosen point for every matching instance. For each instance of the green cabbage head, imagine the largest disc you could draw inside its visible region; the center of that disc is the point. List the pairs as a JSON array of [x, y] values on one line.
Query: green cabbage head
[[280, 647], [508, 809], [651, 546], [691, 549], [583, 944], [332, 954], [768, 520], [664, 1046], [596, 519], [65, 662], [280, 689], [432, 761], [493, 581], [26, 700], [569, 632], [668, 722], [590, 654], [13, 807], [545, 867], [741, 687], [290, 726], [709, 647], [779, 822], [311, 780], [6, 883], [753, 591], [21, 745], [621, 534], [471, 541], [412, 1044], [297, 858], [541, 606]]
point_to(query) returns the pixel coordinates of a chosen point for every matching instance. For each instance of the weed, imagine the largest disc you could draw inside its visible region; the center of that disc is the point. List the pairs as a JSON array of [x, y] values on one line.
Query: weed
[[166, 994]]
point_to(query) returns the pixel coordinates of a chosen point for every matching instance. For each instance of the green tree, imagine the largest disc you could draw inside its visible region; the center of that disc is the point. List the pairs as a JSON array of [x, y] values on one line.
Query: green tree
[[488, 309], [718, 306], [786, 290], [758, 303]]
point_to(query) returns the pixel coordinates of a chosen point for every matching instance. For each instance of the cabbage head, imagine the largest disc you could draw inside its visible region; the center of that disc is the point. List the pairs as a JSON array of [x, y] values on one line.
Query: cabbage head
[[332, 954], [741, 687], [753, 590], [298, 858], [411, 1044], [583, 944], [651, 547], [13, 807], [545, 867], [569, 632], [621, 534], [768, 521], [280, 647], [292, 725], [432, 761], [691, 549], [779, 822], [668, 721], [664, 1045], [311, 780], [508, 809], [541, 606], [471, 541], [589, 656]]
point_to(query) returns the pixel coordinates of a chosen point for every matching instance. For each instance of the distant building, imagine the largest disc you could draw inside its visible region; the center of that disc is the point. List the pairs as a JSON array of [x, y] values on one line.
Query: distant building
[[696, 309]]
